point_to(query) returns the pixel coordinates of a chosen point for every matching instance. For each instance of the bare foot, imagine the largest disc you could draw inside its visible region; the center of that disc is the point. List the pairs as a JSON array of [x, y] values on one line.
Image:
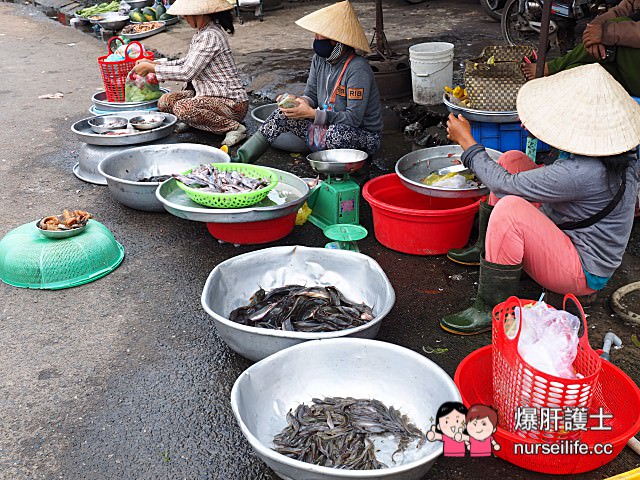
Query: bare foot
[[529, 70]]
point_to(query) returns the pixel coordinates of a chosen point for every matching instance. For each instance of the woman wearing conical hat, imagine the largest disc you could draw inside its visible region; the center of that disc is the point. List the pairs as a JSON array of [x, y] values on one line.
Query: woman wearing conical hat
[[574, 241], [340, 107], [214, 98]]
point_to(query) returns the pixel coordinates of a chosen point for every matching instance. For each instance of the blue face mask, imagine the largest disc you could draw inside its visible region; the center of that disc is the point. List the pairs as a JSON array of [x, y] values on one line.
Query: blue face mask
[[323, 48]]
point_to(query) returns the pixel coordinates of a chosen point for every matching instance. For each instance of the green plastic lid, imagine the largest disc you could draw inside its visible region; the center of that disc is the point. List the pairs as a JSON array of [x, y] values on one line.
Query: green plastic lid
[[345, 232], [31, 260]]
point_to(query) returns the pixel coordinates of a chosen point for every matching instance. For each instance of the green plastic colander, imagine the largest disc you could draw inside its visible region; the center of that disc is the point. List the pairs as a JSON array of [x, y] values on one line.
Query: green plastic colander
[[31, 260], [233, 200]]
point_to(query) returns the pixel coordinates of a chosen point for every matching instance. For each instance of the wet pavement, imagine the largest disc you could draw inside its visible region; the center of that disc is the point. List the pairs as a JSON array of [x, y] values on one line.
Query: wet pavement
[[126, 377]]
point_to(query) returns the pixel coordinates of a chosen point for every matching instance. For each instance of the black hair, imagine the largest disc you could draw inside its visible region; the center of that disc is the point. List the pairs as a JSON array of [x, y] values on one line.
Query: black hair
[[616, 166], [224, 19], [446, 408]]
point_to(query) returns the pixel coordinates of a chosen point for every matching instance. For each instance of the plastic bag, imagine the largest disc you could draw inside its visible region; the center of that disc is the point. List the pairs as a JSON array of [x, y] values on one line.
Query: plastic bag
[[288, 101], [140, 88], [133, 50], [549, 339]]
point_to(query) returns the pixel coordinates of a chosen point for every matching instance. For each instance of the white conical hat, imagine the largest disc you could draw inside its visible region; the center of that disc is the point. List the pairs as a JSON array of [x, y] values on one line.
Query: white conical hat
[[338, 22], [583, 110], [198, 7]]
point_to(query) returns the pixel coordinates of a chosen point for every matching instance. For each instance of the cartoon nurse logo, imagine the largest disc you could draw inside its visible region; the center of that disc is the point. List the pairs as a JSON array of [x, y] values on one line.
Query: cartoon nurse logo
[[449, 424], [459, 429], [481, 422]]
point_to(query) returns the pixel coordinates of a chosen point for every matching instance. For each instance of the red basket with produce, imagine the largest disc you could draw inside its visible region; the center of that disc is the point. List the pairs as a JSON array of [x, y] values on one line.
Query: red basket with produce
[[520, 387], [114, 73]]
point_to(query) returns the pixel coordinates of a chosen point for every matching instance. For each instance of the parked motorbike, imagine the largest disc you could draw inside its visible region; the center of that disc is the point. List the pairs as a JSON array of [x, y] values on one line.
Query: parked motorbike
[[493, 8], [521, 20]]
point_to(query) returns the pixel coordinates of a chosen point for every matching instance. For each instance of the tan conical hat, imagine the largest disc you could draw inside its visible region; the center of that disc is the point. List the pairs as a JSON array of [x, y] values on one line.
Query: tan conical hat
[[583, 110], [198, 7], [338, 22]]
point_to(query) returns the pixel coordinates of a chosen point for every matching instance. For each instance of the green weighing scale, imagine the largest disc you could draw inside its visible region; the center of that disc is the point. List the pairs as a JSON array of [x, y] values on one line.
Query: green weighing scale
[[335, 202], [336, 199]]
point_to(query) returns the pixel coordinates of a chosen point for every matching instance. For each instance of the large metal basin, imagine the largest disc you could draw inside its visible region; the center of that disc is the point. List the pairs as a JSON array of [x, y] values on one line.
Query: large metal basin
[[122, 169], [414, 166], [398, 377], [83, 131], [90, 157], [286, 141], [233, 281]]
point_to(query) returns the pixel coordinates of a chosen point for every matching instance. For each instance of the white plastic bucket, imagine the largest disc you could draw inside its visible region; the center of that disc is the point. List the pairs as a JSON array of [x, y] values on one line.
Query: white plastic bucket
[[431, 71]]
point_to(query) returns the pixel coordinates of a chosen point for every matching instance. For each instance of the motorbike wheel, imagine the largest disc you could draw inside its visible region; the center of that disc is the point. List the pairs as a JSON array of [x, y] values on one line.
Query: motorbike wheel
[[515, 28], [493, 8]]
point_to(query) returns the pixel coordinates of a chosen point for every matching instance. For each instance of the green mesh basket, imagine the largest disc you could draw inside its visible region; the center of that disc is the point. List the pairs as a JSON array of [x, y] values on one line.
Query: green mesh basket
[[232, 200], [28, 259]]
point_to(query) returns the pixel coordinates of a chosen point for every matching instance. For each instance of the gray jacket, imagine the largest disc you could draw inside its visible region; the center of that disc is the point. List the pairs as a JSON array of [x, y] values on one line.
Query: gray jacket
[[571, 190], [358, 101]]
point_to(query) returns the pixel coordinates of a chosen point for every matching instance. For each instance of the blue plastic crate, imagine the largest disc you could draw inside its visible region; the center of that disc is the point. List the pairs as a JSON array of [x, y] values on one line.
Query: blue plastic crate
[[503, 136]]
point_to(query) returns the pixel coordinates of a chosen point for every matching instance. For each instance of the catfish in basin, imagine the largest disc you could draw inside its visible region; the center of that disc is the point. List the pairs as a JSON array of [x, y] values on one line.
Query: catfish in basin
[[338, 432], [302, 309]]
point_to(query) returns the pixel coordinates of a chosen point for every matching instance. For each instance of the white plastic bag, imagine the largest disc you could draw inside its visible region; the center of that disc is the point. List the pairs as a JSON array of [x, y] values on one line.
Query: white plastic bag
[[549, 339]]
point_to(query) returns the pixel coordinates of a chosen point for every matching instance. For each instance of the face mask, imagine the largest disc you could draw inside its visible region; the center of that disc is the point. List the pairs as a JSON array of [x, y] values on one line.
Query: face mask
[[323, 48]]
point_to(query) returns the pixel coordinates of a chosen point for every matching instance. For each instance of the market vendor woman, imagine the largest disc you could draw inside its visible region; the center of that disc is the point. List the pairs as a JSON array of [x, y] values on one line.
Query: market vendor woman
[[214, 99], [340, 107], [574, 242]]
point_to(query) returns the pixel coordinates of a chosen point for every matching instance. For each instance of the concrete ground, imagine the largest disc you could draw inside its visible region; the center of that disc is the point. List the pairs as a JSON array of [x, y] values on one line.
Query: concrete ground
[[126, 377]]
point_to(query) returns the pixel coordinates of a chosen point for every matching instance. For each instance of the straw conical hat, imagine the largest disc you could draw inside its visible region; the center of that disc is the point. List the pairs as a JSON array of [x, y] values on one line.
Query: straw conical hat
[[338, 22], [583, 110], [198, 7]]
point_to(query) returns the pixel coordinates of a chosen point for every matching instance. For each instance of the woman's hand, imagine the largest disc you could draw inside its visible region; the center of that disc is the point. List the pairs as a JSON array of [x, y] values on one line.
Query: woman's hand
[[459, 131], [592, 35], [597, 51], [301, 111], [143, 67]]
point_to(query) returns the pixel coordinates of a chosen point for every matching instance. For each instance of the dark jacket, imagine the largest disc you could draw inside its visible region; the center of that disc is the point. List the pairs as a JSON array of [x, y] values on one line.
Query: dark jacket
[[625, 34]]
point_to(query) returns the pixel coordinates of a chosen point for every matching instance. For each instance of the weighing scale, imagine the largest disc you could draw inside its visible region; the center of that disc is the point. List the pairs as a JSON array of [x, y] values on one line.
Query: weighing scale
[[336, 200]]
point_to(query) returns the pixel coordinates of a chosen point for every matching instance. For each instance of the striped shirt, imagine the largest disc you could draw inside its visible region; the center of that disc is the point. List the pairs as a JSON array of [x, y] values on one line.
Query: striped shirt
[[208, 65]]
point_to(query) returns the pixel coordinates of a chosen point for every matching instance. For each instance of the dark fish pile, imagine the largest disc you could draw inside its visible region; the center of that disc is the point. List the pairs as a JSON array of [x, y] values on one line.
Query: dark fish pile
[[335, 432], [210, 179], [154, 178], [302, 309]]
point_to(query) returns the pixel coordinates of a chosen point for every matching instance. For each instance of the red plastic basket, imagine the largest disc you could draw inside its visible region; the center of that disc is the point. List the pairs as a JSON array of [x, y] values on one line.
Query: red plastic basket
[[616, 393], [519, 385], [114, 74]]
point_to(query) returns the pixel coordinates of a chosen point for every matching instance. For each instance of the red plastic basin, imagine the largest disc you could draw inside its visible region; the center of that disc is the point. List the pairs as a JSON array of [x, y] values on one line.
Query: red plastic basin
[[408, 222], [253, 233]]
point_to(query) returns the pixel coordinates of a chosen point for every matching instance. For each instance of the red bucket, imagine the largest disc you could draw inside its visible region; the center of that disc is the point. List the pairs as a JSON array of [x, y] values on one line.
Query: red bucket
[[616, 393], [253, 233], [408, 222]]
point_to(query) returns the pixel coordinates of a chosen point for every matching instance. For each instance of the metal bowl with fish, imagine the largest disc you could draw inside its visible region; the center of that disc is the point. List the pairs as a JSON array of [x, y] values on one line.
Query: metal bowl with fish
[[233, 282], [107, 123], [134, 174], [414, 168], [147, 122], [343, 367]]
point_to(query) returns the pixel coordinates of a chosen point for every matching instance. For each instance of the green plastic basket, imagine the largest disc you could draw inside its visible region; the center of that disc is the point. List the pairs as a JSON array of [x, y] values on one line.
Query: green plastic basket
[[232, 200], [28, 259]]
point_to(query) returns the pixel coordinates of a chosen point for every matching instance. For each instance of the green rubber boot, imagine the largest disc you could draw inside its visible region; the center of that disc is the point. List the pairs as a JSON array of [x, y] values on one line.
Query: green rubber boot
[[252, 149], [471, 255], [497, 283]]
